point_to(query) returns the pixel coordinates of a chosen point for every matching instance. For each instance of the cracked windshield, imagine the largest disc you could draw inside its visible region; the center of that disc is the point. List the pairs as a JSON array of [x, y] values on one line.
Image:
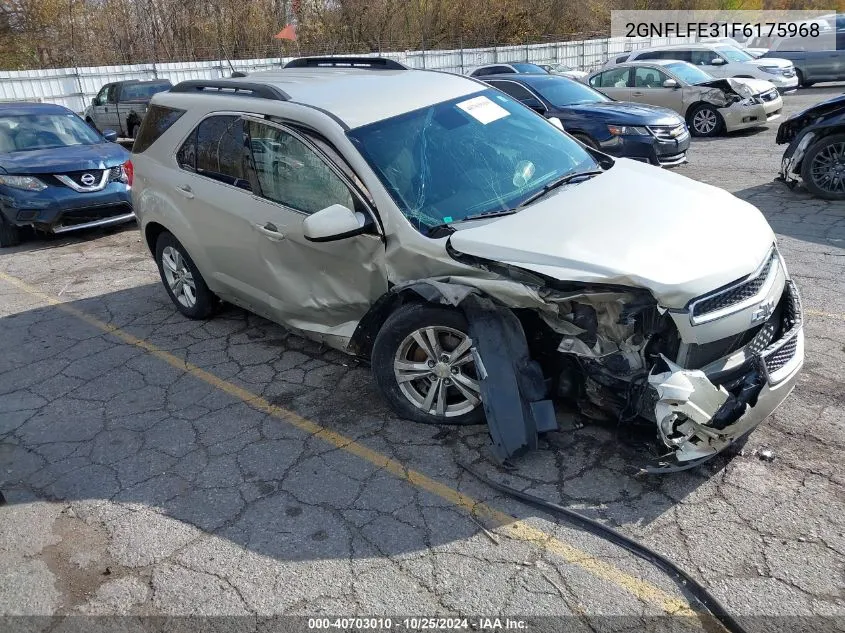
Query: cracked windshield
[[477, 155]]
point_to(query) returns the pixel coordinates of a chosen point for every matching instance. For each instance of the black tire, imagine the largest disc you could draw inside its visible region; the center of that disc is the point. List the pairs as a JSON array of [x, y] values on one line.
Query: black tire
[[586, 140], [391, 342], [832, 145], [700, 114], [205, 300], [10, 235]]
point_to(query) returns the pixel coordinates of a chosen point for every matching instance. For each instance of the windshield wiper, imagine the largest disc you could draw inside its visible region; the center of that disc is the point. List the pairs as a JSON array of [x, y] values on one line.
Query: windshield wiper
[[563, 180], [439, 230]]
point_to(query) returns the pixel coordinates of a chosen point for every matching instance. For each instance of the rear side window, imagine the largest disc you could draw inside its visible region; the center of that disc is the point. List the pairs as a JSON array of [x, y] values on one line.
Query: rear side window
[[215, 149], [157, 121], [513, 89], [613, 78]]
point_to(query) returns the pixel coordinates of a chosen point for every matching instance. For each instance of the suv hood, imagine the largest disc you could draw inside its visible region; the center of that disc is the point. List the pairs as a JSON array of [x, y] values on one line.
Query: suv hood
[[667, 233], [59, 160]]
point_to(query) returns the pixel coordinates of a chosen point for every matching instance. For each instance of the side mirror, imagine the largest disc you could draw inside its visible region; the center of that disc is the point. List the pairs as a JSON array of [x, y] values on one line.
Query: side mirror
[[535, 104], [110, 136], [717, 61], [556, 122], [670, 83], [333, 223], [95, 101]]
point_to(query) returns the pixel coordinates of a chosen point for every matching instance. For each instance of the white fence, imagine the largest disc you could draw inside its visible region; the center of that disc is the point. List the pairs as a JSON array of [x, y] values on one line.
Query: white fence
[[75, 87]]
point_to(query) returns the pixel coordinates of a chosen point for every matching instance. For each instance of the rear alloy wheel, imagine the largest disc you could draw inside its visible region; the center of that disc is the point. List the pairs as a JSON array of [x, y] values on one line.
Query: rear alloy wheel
[[184, 283], [424, 368], [10, 235], [705, 121], [823, 168]]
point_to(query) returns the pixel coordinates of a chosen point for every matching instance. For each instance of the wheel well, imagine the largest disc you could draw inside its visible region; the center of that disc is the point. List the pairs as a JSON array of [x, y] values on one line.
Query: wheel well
[[151, 233], [368, 328]]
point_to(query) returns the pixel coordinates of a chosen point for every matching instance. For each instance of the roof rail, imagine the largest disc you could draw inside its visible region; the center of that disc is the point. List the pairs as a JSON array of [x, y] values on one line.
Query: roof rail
[[224, 86], [372, 63]]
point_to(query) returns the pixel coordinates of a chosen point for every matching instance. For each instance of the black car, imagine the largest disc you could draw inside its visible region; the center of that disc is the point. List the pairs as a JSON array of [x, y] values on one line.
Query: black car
[[631, 130], [816, 150]]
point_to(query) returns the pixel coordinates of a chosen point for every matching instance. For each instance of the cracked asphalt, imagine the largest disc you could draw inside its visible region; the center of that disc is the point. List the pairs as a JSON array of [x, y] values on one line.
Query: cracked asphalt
[[154, 465]]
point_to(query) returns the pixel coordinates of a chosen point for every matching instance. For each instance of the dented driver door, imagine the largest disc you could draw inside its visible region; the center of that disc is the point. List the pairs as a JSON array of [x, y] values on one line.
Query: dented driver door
[[320, 288]]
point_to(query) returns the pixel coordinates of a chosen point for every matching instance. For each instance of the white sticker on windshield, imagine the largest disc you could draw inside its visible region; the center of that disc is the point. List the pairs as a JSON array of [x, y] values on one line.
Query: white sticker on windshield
[[483, 110]]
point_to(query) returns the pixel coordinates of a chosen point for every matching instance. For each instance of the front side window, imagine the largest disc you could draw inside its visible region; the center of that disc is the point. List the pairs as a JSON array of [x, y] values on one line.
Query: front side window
[[45, 131], [479, 154], [647, 77], [101, 96], [702, 58], [111, 94], [291, 173]]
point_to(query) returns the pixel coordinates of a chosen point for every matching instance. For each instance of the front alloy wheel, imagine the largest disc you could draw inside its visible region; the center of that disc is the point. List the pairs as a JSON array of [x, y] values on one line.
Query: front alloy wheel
[[424, 368], [823, 168], [435, 371], [705, 121]]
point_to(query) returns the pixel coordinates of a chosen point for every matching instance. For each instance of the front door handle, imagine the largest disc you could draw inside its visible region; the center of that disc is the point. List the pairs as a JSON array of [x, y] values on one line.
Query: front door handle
[[637, 94], [186, 191], [270, 231]]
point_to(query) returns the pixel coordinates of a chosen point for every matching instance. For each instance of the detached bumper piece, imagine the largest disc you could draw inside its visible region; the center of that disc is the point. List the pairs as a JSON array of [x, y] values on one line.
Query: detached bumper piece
[[513, 388], [697, 419]]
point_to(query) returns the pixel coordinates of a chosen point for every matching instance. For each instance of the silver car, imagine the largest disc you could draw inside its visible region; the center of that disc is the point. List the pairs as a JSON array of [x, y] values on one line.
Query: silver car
[[481, 259], [710, 106]]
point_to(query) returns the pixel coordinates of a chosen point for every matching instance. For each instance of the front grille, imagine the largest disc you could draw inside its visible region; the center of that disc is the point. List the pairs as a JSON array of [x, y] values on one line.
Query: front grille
[[92, 214], [781, 356], [77, 176], [698, 356], [668, 132], [736, 293]]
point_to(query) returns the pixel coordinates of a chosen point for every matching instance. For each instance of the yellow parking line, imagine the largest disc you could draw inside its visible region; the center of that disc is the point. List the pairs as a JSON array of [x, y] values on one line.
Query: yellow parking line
[[507, 524]]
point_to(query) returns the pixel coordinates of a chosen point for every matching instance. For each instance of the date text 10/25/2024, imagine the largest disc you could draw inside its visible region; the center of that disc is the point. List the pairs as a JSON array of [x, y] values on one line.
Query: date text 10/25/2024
[[416, 624]]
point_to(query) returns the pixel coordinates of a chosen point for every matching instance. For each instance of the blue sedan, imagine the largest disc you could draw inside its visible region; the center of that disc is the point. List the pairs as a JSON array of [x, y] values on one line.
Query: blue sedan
[[57, 174], [642, 132]]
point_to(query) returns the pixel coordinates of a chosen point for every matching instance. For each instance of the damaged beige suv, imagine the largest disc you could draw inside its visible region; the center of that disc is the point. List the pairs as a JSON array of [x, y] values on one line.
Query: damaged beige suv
[[488, 265]]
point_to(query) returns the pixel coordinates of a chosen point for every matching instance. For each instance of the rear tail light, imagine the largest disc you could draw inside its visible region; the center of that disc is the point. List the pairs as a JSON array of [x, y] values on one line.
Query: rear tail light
[[129, 170]]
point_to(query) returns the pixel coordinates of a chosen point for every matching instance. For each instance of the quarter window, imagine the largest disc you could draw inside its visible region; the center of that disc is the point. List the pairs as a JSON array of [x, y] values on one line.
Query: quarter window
[[155, 123], [290, 173]]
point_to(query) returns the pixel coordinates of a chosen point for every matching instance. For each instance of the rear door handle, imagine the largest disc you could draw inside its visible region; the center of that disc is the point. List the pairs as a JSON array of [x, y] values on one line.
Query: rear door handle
[[637, 94], [270, 231], [186, 191]]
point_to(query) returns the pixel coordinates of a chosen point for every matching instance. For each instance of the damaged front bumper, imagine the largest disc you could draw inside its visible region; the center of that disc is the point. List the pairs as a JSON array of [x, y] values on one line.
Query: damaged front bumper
[[698, 418]]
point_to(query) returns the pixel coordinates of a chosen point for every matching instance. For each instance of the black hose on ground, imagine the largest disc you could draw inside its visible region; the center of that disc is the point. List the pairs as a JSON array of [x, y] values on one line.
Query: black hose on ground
[[681, 577]]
